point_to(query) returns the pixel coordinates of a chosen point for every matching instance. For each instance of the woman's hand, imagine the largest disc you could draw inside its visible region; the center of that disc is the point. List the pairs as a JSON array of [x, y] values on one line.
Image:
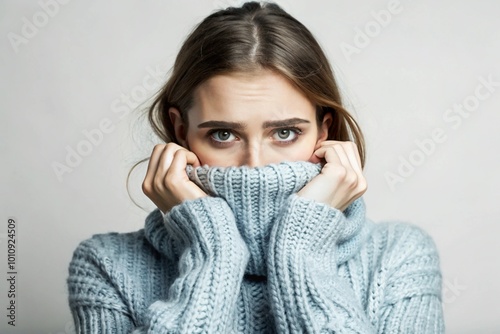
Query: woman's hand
[[166, 182], [341, 180]]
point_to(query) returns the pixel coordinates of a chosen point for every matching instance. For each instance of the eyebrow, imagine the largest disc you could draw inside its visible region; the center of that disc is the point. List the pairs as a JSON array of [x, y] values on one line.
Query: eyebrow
[[284, 123], [240, 126]]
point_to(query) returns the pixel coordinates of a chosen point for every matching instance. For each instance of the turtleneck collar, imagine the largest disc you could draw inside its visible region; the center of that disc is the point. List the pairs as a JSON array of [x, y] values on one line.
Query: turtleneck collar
[[255, 195]]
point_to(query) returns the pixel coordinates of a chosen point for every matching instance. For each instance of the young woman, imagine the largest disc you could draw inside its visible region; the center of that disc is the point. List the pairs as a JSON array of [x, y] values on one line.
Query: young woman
[[260, 226]]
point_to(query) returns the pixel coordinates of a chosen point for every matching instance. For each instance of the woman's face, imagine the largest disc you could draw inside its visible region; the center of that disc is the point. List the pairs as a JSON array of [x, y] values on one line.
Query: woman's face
[[254, 120]]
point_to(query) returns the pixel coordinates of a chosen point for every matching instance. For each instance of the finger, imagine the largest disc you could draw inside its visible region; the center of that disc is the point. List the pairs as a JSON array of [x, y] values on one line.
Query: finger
[[168, 156], [192, 159], [177, 168], [347, 147], [177, 171], [353, 156], [314, 159], [166, 159], [347, 152], [331, 157], [181, 159], [350, 151], [320, 152], [341, 152], [153, 163], [329, 143], [333, 154]]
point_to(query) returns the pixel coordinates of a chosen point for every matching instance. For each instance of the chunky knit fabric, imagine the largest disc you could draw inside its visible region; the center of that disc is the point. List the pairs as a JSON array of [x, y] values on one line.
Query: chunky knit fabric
[[254, 257]]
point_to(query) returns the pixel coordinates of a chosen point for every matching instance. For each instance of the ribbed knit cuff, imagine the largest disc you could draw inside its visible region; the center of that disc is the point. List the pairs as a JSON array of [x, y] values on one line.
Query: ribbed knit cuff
[[209, 223], [305, 225], [89, 319]]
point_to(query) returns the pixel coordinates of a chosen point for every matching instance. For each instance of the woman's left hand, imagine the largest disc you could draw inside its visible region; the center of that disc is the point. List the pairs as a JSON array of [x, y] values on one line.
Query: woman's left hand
[[341, 180]]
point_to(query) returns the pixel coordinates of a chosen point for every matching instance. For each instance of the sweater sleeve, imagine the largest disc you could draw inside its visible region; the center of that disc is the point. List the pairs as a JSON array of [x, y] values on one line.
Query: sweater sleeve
[[308, 295], [410, 275], [212, 260]]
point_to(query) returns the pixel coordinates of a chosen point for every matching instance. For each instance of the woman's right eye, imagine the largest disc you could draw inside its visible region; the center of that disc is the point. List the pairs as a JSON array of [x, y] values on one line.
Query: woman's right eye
[[222, 135]]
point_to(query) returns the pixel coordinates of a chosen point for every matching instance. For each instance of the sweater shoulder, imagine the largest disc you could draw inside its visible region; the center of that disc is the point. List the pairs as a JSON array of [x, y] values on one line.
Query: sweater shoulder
[[111, 244], [402, 236], [404, 245], [107, 268], [111, 255], [406, 260]]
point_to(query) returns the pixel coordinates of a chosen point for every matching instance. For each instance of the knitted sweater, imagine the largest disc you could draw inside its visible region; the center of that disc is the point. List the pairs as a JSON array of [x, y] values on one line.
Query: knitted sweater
[[254, 257]]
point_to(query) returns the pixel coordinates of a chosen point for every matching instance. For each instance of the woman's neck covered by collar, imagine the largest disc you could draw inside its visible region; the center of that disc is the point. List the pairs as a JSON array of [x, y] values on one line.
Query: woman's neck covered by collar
[[256, 196]]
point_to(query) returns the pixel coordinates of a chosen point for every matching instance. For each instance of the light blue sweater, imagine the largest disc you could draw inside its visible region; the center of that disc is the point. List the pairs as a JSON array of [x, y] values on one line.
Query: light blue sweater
[[254, 257]]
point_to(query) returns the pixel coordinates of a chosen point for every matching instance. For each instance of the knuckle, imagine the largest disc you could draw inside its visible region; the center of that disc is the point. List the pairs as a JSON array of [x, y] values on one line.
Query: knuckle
[[331, 148], [171, 145], [352, 180], [329, 143], [340, 172], [159, 147], [171, 180], [158, 183], [179, 152], [363, 185], [325, 143], [170, 148], [146, 188]]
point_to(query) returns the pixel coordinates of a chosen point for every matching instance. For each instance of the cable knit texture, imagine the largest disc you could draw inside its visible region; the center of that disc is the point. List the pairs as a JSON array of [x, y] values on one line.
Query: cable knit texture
[[254, 257]]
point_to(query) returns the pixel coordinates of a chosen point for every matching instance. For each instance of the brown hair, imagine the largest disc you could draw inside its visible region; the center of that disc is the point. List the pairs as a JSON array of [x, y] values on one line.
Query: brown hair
[[246, 39]]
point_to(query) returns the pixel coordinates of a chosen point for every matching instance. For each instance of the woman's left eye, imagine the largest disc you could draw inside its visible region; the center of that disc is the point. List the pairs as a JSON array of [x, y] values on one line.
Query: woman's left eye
[[286, 135]]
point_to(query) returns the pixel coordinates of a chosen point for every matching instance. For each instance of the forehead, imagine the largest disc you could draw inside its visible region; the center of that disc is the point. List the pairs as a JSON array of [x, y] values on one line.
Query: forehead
[[239, 94]]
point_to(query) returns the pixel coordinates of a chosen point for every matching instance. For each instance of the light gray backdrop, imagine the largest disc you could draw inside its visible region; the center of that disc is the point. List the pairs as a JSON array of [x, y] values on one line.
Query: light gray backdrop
[[422, 78]]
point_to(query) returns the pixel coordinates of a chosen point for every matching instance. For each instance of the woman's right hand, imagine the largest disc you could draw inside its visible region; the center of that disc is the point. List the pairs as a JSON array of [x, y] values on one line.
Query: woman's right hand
[[166, 182]]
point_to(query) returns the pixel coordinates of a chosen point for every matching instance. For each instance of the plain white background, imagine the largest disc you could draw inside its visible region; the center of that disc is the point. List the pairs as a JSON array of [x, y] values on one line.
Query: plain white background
[[71, 67]]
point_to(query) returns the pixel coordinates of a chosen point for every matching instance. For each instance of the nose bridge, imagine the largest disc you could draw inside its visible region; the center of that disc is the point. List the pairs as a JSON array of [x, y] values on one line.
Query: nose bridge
[[253, 154]]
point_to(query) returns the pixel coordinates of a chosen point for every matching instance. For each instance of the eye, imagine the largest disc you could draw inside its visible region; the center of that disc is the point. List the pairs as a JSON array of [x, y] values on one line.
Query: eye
[[287, 134], [222, 135]]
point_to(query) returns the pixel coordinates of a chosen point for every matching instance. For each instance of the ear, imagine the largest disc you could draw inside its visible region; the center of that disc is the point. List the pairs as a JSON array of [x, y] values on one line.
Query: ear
[[180, 129], [323, 129]]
